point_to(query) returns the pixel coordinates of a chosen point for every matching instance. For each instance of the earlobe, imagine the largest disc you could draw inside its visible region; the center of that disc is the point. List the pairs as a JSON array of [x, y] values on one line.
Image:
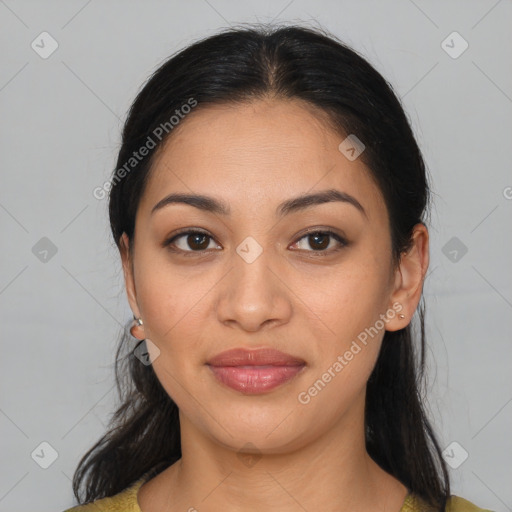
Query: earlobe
[[137, 329], [409, 277]]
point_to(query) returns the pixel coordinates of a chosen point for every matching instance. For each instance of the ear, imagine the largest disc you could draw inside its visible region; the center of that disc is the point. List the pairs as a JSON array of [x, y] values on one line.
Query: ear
[[409, 277], [127, 260]]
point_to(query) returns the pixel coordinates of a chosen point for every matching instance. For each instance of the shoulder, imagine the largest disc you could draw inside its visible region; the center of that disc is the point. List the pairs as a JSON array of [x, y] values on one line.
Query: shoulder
[[455, 504], [458, 504], [125, 501]]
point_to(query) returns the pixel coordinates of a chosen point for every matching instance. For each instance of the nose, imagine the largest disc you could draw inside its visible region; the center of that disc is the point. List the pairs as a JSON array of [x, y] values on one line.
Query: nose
[[253, 295]]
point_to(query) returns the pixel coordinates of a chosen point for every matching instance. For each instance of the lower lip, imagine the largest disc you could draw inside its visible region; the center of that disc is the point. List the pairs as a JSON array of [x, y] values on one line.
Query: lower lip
[[255, 379]]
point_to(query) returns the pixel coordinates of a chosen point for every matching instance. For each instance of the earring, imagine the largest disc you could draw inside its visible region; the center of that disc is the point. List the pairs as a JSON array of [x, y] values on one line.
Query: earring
[[138, 320], [401, 316]]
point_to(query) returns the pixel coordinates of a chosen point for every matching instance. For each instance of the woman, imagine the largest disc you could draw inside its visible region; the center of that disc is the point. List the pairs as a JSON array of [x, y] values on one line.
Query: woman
[[269, 206]]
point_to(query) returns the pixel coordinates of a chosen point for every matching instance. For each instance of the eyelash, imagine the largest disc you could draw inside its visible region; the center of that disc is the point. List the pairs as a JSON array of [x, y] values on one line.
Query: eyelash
[[326, 252]]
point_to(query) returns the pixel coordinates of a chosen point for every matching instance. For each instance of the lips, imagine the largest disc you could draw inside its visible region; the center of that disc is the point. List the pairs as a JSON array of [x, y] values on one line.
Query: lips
[[254, 371], [260, 357]]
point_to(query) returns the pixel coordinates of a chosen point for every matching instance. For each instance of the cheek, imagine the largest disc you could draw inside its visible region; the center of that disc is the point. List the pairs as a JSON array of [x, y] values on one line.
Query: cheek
[[350, 298], [349, 306], [171, 310], [172, 307], [170, 298]]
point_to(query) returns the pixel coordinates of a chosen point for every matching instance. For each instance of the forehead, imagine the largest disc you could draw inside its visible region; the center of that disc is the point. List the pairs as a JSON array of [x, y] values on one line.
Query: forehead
[[255, 154]]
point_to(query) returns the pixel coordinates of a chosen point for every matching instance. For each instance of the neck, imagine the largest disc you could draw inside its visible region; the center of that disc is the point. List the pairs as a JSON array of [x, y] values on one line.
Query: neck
[[333, 472]]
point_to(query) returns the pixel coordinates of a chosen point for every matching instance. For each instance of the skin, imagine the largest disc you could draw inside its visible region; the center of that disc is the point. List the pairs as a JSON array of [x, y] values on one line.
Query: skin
[[309, 456]]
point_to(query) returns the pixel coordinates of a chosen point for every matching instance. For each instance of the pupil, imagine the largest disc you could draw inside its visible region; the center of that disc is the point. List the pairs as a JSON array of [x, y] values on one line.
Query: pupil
[[195, 237], [322, 246]]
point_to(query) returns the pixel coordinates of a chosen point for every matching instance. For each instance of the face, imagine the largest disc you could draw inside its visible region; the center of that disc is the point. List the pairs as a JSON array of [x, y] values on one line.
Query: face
[[314, 281]]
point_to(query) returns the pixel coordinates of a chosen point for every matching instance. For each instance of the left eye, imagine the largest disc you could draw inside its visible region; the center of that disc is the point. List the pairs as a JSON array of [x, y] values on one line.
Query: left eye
[[320, 241]]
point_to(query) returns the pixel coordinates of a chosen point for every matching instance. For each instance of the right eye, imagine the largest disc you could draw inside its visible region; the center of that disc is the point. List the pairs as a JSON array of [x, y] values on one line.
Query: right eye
[[196, 240]]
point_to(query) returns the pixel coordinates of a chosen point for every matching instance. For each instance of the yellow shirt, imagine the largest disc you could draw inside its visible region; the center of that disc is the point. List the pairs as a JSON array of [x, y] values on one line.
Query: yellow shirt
[[126, 501]]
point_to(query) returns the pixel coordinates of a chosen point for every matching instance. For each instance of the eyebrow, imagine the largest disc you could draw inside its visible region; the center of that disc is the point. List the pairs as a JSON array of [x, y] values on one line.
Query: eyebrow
[[295, 204]]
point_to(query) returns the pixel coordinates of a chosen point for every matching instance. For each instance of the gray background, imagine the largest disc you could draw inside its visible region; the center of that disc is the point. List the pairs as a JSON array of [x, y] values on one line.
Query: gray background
[[60, 121]]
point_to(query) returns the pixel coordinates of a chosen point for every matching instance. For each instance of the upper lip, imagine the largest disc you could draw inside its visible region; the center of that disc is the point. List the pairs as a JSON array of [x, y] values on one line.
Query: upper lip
[[254, 357]]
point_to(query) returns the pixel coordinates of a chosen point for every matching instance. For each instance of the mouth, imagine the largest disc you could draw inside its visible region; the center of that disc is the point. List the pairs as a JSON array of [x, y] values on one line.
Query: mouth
[[255, 371]]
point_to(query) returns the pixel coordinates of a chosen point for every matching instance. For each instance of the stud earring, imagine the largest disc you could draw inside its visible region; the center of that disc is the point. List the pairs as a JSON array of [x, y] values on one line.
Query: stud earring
[[401, 316], [138, 320]]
